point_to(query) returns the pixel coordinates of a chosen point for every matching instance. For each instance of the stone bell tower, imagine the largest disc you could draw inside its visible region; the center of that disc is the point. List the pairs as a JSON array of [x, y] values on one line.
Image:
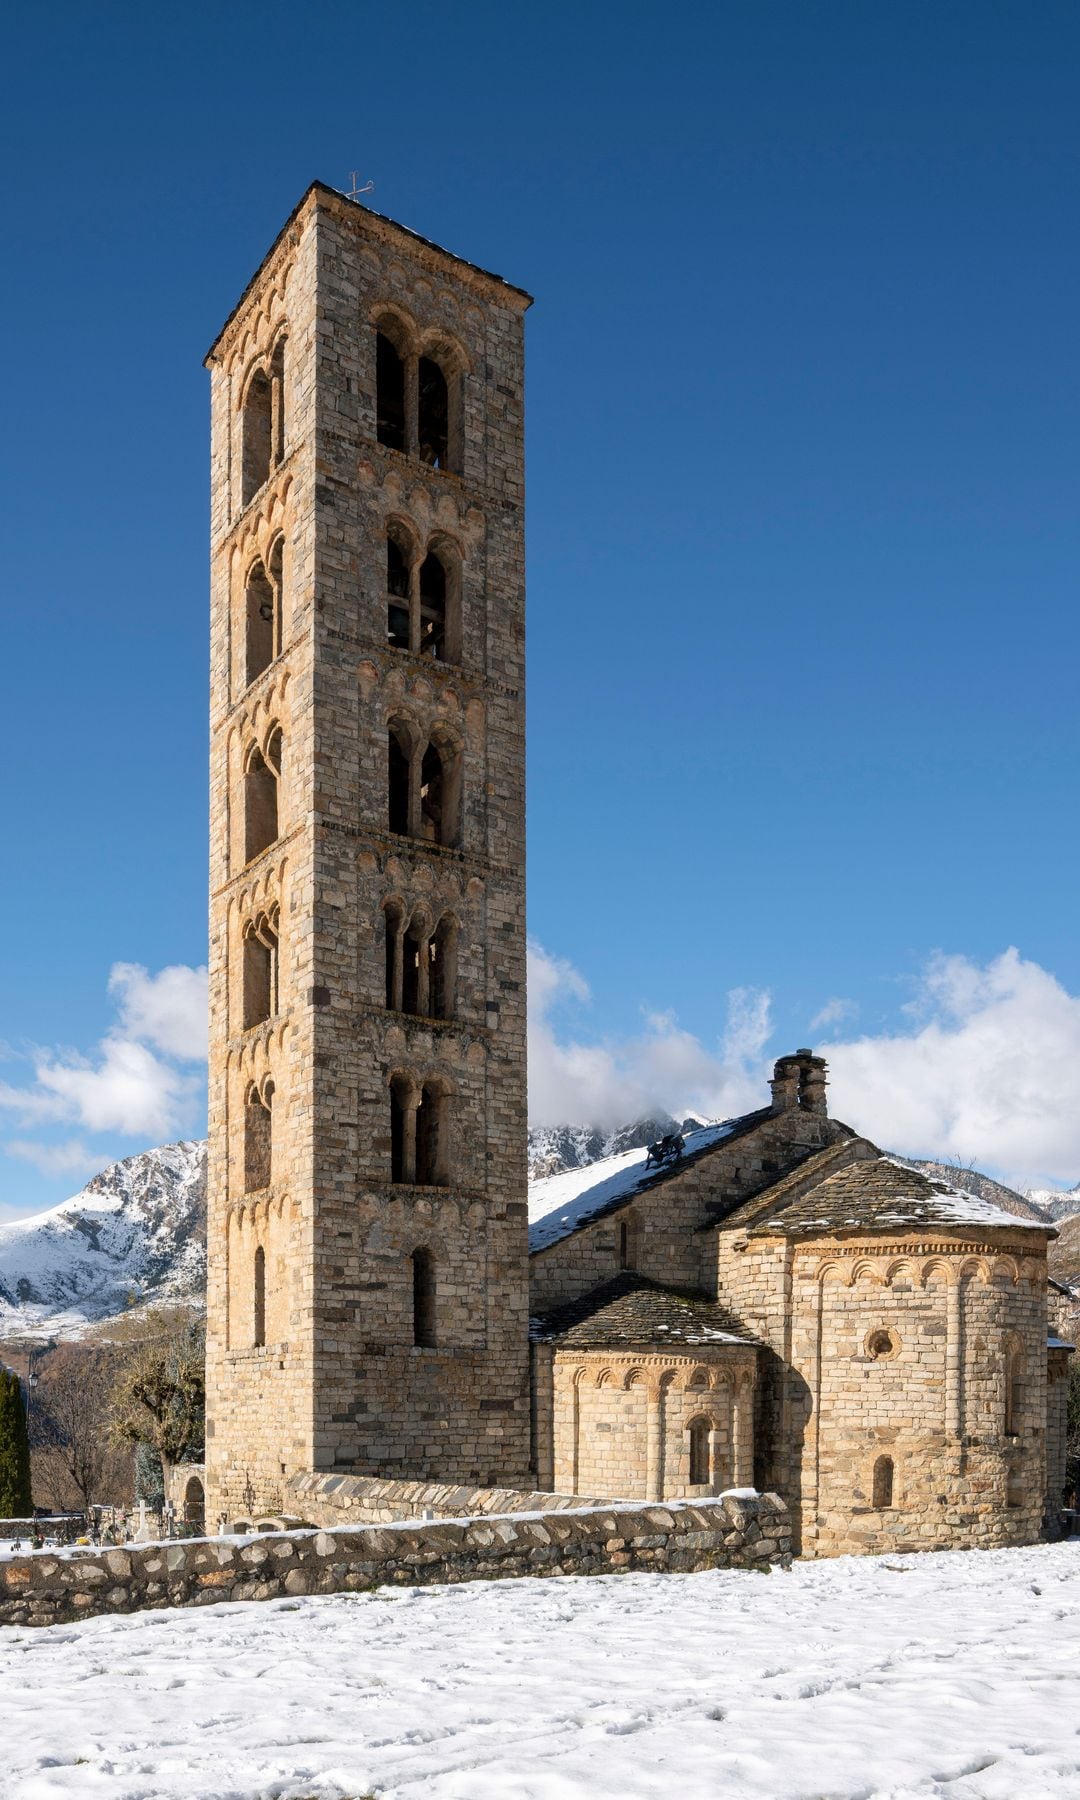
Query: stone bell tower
[[368, 1279]]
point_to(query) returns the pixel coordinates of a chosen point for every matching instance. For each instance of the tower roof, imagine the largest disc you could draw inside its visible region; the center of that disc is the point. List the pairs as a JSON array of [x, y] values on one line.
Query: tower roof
[[383, 227]]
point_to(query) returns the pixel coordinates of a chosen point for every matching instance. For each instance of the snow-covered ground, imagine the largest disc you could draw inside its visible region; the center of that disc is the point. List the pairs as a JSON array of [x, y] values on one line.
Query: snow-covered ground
[[953, 1675]]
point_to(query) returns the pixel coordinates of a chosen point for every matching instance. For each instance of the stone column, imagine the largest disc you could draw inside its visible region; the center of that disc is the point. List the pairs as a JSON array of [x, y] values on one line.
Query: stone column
[[654, 1444], [954, 1360], [744, 1435]]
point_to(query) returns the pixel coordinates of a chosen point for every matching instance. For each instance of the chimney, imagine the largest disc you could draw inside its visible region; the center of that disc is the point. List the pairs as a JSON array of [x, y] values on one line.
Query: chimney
[[799, 1081]]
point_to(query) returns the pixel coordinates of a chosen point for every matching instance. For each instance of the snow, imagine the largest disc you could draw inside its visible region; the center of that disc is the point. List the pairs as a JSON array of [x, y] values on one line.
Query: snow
[[136, 1232], [957, 1205], [559, 1204], [877, 1678]]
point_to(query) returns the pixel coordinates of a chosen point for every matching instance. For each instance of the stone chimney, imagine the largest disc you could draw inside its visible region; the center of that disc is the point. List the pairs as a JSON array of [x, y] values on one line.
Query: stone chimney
[[799, 1081]]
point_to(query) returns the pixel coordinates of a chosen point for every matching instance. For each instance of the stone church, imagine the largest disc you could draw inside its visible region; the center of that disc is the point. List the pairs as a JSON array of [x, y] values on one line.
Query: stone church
[[773, 1302]]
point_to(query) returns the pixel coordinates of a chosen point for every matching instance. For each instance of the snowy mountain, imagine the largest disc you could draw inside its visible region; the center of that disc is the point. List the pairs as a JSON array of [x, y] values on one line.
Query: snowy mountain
[[136, 1233], [1025, 1206], [1055, 1204], [555, 1148]]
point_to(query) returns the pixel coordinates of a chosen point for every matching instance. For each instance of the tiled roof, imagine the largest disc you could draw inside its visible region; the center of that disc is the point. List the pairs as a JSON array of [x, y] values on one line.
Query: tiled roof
[[812, 1170], [881, 1195], [634, 1312]]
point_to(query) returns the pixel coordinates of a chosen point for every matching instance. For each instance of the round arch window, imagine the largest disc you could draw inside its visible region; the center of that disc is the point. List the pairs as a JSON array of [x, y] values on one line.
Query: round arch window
[[881, 1343]]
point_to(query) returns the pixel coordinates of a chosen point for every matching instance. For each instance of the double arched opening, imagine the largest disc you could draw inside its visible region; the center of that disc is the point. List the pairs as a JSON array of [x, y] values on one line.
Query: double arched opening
[[418, 395], [423, 595], [258, 1137], [419, 1130], [421, 961], [424, 784], [260, 969], [262, 612], [262, 779], [262, 422]]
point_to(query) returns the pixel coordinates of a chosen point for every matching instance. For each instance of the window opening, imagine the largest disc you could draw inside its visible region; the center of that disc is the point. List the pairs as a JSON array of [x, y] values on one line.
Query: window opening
[[883, 1483], [433, 608], [397, 596], [260, 1297], [412, 951], [257, 435], [260, 802], [431, 795], [430, 1137], [392, 918], [399, 1114], [434, 414], [277, 378], [1013, 1394], [257, 1140], [399, 780], [442, 952], [261, 615], [628, 1243], [390, 394], [260, 973], [699, 1452], [423, 1280]]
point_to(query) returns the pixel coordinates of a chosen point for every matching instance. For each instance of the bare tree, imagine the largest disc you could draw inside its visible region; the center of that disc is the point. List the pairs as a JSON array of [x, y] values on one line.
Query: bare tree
[[159, 1394], [71, 1442]]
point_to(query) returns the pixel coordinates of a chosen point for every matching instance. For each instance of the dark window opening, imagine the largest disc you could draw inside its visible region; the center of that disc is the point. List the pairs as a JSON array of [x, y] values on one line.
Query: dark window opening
[[257, 1141], [260, 805], [423, 1283], [433, 608], [259, 1336], [260, 974], [430, 1138], [399, 781], [397, 596], [628, 1244], [431, 795], [699, 1452], [277, 376], [261, 618], [390, 394], [392, 920], [412, 949], [434, 414], [442, 952], [257, 435], [883, 1483], [1013, 1394]]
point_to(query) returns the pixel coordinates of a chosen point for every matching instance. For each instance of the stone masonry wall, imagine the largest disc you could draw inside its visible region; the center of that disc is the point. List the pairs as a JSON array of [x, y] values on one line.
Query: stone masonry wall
[[341, 1500], [734, 1532]]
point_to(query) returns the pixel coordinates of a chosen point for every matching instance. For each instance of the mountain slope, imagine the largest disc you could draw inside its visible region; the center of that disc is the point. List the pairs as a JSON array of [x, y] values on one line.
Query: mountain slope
[[136, 1232]]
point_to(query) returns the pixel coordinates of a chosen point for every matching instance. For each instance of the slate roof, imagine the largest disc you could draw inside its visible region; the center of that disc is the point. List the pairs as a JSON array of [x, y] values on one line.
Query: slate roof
[[881, 1194], [776, 1193], [633, 1312]]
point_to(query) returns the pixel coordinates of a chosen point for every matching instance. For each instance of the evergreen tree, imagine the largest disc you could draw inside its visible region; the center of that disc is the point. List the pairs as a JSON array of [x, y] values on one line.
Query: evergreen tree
[[15, 1501]]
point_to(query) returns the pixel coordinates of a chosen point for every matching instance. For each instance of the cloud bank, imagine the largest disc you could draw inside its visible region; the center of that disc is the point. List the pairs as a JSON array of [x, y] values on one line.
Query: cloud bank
[[983, 1066]]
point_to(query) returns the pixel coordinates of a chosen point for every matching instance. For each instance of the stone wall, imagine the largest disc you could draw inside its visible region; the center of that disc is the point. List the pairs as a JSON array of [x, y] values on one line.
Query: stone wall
[[732, 1532], [339, 1500]]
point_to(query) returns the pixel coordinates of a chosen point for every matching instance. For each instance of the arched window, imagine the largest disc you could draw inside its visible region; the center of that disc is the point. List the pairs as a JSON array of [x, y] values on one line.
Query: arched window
[[257, 435], [433, 415], [398, 748], [260, 623], [261, 798], [413, 951], [883, 1483], [423, 1288], [194, 1502], [433, 607], [258, 1138], [1014, 1390], [259, 1335], [431, 1137], [432, 821], [390, 393], [397, 593], [260, 971], [402, 1131], [698, 1431], [442, 975]]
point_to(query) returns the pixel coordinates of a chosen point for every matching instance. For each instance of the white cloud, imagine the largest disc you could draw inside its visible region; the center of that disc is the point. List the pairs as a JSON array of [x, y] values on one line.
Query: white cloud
[[131, 1083], [72, 1157], [834, 1012], [664, 1068], [989, 1071], [168, 1010]]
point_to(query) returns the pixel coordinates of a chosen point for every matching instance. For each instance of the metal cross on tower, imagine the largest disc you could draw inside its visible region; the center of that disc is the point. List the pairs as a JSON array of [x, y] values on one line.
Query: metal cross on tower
[[367, 187]]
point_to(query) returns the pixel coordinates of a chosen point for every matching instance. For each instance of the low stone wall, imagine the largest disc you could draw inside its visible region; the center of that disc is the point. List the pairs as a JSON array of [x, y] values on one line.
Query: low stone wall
[[732, 1532], [333, 1500]]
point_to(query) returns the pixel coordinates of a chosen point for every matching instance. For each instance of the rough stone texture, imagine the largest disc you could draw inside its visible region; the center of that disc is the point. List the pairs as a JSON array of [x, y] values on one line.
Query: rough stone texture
[[338, 1382], [332, 1500], [732, 1532]]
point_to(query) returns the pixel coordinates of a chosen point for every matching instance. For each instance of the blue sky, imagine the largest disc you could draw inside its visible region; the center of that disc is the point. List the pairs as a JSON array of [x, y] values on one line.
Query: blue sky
[[802, 455]]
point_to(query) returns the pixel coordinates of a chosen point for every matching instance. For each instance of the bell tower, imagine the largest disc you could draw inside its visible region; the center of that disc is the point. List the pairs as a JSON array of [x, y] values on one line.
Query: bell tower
[[368, 1271]]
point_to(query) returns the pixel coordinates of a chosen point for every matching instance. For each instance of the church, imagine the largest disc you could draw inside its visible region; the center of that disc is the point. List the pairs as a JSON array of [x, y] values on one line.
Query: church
[[770, 1302]]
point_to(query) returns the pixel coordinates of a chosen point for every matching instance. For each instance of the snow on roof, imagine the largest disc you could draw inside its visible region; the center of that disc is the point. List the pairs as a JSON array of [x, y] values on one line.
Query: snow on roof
[[560, 1204], [886, 1194]]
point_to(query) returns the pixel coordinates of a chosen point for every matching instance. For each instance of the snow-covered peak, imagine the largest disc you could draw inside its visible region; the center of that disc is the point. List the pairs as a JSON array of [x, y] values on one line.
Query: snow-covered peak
[[136, 1232]]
